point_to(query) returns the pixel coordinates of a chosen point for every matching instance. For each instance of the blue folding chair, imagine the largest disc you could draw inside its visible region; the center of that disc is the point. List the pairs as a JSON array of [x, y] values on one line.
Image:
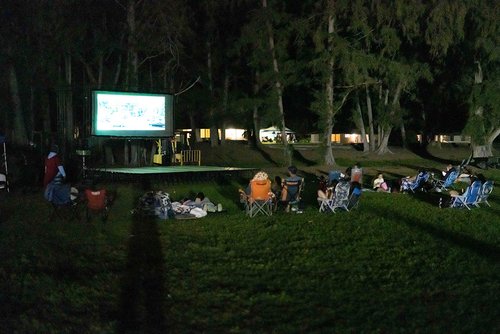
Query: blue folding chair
[[469, 198], [417, 184], [448, 182], [484, 193], [339, 200]]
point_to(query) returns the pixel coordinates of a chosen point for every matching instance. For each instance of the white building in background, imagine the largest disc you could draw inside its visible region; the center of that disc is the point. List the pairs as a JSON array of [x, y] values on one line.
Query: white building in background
[[266, 135], [339, 138], [204, 134], [452, 139]]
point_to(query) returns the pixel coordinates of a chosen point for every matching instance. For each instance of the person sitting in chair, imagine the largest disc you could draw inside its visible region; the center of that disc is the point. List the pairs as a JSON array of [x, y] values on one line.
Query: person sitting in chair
[[449, 169], [380, 185], [326, 189], [291, 187], [259, 176]]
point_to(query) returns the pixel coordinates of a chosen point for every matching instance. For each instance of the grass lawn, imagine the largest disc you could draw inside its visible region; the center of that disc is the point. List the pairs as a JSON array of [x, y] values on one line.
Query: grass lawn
[[396, 264]]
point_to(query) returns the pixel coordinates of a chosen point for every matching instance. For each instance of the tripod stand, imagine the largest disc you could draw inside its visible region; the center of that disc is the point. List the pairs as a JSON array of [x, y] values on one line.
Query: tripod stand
[[83, 154], [4, 181]]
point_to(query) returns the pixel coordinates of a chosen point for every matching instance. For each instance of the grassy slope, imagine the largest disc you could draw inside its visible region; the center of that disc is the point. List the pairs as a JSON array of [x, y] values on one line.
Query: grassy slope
[[396, 264]]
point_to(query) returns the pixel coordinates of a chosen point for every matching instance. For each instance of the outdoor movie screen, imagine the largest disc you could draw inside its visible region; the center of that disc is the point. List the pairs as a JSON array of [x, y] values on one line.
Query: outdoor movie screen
[[124, 114]]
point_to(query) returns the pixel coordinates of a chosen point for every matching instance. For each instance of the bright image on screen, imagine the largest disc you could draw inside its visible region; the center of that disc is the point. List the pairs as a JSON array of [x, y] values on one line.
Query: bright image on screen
[[135, 113]]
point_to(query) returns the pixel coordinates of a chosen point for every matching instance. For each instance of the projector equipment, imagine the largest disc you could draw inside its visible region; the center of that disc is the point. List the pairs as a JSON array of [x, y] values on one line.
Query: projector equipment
[[83, 154]]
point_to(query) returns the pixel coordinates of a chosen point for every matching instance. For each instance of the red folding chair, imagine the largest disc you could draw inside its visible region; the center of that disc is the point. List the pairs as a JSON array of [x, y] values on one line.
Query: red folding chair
[[97, 203]]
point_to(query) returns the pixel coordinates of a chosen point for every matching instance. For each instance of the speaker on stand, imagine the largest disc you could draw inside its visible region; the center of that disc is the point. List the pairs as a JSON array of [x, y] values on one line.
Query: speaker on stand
[[83, 154]]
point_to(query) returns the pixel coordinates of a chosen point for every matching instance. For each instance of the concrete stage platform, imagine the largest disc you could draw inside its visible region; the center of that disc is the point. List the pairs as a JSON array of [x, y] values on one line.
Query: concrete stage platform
[[165, 173]]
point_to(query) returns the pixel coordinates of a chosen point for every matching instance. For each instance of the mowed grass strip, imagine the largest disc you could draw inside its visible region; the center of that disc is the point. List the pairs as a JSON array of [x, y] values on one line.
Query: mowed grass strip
[[398, 263]]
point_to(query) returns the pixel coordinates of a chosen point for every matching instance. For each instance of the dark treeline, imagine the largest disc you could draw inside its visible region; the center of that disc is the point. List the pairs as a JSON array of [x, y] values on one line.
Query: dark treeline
[[389, 69]]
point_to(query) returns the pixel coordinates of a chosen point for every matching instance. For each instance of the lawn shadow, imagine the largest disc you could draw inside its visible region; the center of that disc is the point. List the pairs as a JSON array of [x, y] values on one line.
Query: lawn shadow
[[422, 152], [142, 307], [481, 248], [265, 155], [310, 191], [228, 186], [297, 156], [430, 197]]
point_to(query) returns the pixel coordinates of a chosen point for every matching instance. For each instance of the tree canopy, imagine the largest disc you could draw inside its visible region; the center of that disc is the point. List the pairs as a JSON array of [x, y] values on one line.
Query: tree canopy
[[315, 66]]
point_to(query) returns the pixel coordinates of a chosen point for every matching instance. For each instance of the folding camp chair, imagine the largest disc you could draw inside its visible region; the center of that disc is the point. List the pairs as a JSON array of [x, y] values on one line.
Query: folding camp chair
[[417, 184], [447, 183], [97, 202], [354, 198], [469, 198], [64, 202], [260, 199], [339, 200], [484, 193], [291, 193]]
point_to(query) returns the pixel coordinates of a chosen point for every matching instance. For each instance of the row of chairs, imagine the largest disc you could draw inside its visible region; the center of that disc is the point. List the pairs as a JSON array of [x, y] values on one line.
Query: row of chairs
[[96, 202], [262, 200], [475, 195], [424, 178]]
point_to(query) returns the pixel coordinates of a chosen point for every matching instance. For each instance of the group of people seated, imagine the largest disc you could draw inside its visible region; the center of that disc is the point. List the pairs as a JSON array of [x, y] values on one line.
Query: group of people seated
[[443, 181], [423, 179], [327, 185], [285, 192], [340, 191]]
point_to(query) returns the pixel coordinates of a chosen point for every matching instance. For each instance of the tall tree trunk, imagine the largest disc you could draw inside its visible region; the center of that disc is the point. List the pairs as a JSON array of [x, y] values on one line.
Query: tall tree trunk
[[194, 131], [117, 72], [126, 152], [403, 135], [19, 135], [133, 71], [133, 62], [361, 124], [482, 146], [68, 108], [225, 100], [31, 112], [109, 156], [254, 139], [491, 138], [387, 128], [369, 110], [330, 112], [214, 135], [279, 88]]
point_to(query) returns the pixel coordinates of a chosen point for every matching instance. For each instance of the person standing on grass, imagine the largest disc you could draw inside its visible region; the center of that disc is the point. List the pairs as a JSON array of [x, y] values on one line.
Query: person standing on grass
[[53, 180], [54, 169]]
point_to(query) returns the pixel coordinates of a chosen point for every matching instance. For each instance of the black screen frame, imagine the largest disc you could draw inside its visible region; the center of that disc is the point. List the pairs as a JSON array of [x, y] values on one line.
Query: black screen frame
[[168, 130]]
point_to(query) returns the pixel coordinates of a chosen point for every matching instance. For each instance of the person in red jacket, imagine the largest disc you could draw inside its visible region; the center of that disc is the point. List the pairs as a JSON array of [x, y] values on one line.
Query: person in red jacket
[[54, 170], [53, 180]]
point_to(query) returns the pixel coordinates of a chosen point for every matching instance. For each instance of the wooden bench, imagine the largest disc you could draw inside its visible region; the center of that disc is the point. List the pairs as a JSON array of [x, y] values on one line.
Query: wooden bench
[[188, 157]]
